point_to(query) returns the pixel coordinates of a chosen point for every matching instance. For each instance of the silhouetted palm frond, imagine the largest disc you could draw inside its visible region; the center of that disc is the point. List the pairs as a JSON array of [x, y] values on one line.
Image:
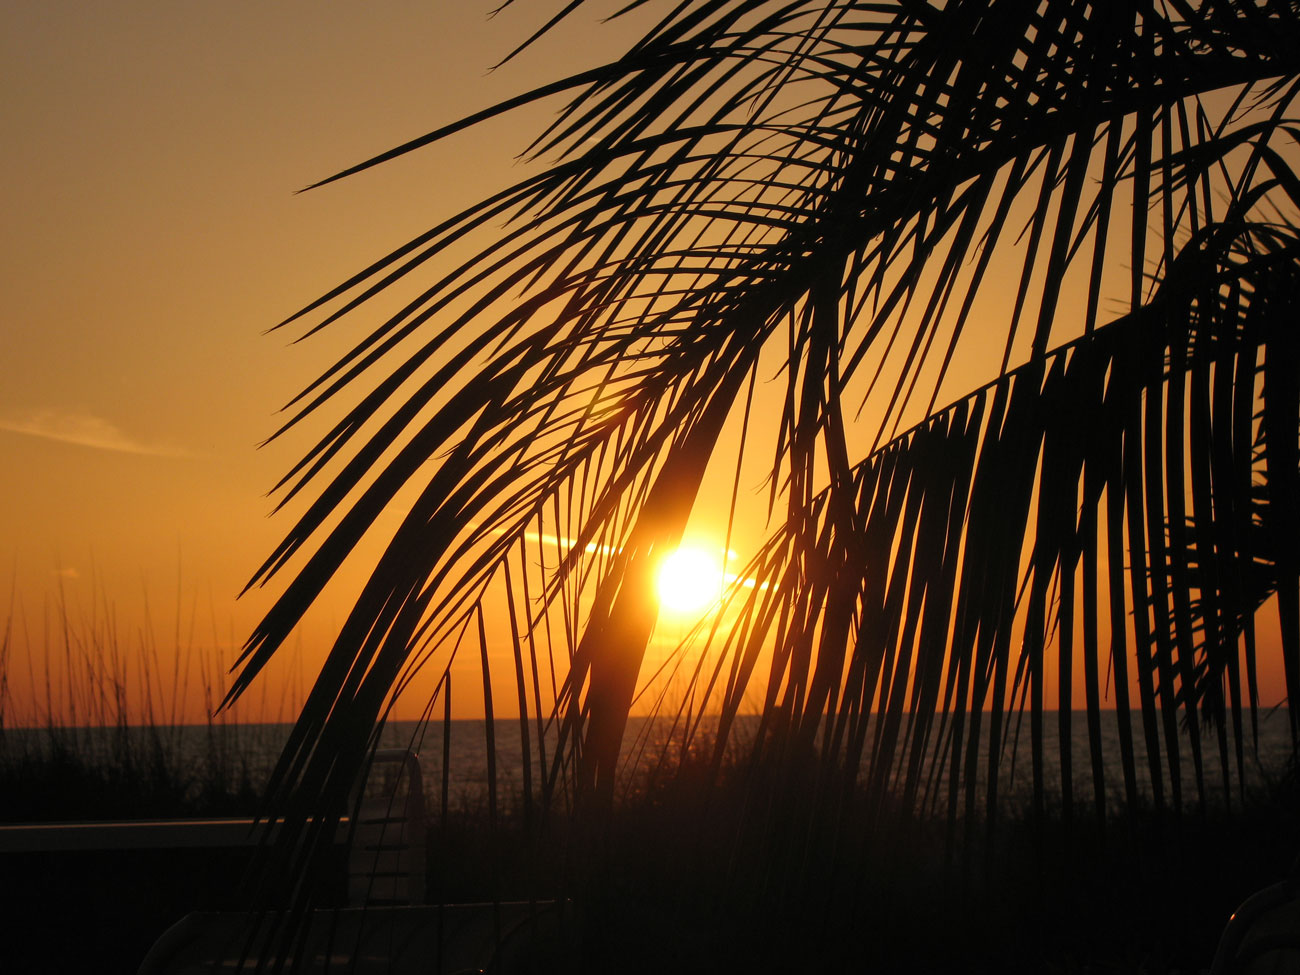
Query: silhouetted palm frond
[[873, 201], [916, 619]]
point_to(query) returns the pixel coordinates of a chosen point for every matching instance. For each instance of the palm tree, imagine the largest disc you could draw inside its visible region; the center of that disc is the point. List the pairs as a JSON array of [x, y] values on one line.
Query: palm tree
[[1023, 276]]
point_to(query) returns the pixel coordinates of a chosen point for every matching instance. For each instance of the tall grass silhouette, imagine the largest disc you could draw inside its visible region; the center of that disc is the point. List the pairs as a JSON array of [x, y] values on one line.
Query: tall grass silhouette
[[105, 733]]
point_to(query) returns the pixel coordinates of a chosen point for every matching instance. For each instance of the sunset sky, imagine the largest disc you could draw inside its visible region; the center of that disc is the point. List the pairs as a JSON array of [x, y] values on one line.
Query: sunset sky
[[152, 235]]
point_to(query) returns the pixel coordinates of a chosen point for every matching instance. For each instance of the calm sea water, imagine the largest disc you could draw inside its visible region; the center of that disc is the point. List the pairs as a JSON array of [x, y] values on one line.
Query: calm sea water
[[647, 740]]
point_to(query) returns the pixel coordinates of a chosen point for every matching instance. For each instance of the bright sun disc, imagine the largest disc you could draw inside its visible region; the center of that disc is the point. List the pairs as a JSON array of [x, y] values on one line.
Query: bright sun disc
[[689, 580]]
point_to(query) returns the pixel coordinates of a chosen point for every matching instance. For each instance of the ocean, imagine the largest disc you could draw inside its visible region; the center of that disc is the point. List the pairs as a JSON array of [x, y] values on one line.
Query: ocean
[[469, 772]]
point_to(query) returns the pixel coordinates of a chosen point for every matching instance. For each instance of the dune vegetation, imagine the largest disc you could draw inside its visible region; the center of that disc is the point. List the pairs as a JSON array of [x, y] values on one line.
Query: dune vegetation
[[98, 731]]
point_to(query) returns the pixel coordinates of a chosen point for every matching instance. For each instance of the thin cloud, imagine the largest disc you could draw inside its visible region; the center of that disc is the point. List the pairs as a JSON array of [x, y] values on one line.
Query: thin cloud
[[84, 431]]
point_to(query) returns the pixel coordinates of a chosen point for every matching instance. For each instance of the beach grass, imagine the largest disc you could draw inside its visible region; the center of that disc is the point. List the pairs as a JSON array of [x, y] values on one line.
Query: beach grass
[[687, 878], [100, 732], [697, 868]]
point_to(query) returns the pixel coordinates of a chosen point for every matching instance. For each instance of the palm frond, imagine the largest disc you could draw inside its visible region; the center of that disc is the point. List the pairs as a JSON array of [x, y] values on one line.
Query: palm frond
[[855, 189], [926, 609]]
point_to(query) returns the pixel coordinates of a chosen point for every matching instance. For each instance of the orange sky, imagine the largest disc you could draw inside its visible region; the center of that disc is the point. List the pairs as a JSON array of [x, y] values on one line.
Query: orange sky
[[152, 235]]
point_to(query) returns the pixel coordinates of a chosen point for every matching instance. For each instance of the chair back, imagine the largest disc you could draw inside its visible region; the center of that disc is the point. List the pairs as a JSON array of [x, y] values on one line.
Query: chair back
[[1263, 935], [386, 841]]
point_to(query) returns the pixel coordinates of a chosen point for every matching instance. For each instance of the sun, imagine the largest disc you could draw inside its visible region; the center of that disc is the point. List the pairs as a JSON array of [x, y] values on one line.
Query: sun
[[689, 580]]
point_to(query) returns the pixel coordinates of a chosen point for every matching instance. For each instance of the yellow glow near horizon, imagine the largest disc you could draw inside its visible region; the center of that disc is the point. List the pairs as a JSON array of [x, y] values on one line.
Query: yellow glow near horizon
[[689, 580]]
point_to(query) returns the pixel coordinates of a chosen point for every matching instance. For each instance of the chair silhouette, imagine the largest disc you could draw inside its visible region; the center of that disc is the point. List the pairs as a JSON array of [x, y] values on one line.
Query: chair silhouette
[[383, 928], [1263, 935], [386, 848], [452, 939]]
